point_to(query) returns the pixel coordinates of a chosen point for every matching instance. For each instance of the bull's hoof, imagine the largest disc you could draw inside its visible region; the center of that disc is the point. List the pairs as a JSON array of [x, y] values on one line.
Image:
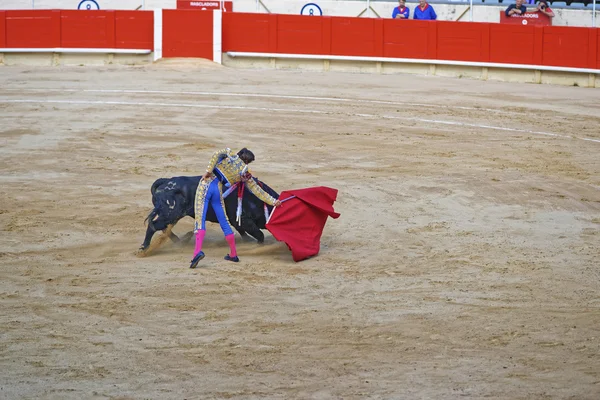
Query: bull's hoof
[[141, 252], [186, 238], [197, 259], [232, 259]]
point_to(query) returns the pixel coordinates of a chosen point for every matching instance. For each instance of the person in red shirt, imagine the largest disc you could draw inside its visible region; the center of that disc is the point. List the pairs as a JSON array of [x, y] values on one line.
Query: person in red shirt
[[544, 8]]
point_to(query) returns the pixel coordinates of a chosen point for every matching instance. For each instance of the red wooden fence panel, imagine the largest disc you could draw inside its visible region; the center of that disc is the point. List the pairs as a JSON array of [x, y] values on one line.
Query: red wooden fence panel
[[593, 50], [597, 58], [326, 38], [512, 44], [485, 41], [33, 28], [134, 30], [405, 38], [461, 41], [273, 37], [87, 29], [2, 29], [299, 34], [353, 36], [538, 44], [378, 36], [246, 32], [188, 33], [566, 46], [432, 40]]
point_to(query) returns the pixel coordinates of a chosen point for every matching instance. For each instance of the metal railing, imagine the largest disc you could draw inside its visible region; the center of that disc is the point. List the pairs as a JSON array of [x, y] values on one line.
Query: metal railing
[[260, 5]]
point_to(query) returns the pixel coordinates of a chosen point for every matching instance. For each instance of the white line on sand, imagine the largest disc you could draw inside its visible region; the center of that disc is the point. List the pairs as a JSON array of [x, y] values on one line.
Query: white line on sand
[[188, 105], [273, 96]]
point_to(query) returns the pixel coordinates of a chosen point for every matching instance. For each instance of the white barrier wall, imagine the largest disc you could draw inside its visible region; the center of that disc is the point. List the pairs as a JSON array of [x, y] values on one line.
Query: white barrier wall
[[446, 12], [84, 4]]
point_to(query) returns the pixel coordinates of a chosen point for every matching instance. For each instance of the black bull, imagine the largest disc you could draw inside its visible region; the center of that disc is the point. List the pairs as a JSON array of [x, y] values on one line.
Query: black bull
[[174, 199]]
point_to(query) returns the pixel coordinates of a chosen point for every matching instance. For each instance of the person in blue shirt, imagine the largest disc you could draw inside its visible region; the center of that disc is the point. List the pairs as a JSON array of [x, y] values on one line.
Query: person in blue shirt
[[401, 11], [425, 11], [518, 9]]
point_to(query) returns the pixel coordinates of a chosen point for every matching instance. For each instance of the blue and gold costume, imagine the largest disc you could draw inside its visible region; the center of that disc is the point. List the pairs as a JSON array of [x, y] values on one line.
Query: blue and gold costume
[[228, 169], [225, 168]]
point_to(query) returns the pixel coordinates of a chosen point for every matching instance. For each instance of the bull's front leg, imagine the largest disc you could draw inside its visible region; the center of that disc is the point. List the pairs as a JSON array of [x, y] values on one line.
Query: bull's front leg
[[242, 232], [233, 222], [174, 238], [186, 238], [153, 245], [250, 227], [150, 231]]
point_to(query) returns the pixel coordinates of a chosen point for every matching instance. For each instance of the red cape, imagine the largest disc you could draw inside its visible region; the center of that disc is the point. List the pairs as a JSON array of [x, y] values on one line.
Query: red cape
[[300, 220]]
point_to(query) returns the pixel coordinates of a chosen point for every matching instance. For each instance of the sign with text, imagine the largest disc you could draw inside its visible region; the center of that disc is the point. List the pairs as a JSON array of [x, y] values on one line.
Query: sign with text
[[529, 18], [204, 5]]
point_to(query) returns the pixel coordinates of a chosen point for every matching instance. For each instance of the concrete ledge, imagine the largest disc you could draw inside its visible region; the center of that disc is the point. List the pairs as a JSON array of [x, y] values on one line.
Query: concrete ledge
[[51, 58], [71, 50], [496, 72]]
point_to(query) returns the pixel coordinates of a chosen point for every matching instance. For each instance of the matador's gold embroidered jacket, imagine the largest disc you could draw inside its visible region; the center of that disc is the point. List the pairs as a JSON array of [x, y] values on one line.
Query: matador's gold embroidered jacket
[[231, 167]]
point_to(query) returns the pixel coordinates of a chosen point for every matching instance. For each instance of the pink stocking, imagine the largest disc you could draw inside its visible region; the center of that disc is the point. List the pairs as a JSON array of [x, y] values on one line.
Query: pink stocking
[[199, 239], [231, 240]]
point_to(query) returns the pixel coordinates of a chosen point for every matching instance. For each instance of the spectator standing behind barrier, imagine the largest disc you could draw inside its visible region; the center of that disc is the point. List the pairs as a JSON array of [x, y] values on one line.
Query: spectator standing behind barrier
[[517, 8], [545, 9], [425, 11], [401, 11]]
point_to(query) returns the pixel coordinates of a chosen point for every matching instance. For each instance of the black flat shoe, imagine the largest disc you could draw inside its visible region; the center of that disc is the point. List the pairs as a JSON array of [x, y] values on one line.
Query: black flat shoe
[[197, 259], [233, 259]]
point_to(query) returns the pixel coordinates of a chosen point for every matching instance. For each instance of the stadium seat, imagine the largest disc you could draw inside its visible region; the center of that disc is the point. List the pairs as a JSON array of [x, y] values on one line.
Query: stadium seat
[[559, 4], [578, 6]]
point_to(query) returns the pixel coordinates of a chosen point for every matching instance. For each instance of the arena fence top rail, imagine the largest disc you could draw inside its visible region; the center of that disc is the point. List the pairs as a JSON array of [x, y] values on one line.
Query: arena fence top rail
[[72, 50], [414, 61]]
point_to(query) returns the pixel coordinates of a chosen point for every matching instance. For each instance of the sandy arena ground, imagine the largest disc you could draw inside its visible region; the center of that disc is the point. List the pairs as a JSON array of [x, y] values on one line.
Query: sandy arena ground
[[466, 262]]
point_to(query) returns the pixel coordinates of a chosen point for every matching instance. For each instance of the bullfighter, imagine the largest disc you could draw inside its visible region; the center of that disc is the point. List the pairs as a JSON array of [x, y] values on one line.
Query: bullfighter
[[225, 168]]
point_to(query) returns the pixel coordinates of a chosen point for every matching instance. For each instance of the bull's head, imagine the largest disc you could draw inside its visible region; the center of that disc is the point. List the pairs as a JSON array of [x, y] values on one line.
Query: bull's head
[[170, 205]]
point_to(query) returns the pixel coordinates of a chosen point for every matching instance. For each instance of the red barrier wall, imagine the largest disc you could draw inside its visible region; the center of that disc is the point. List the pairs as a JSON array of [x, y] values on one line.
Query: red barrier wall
[[88, 29], [77, 29], [597, 35], [513, 44], [465, 42], [356, 36], [2, 29], [134, 30], [407, 40], [248, 32], [300, 33], [33, 28], [187, 33], [435, 40], [565, 46]]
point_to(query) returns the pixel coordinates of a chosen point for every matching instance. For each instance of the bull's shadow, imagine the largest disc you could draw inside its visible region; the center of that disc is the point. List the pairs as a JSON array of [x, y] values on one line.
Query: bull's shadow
[[173, 199]]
